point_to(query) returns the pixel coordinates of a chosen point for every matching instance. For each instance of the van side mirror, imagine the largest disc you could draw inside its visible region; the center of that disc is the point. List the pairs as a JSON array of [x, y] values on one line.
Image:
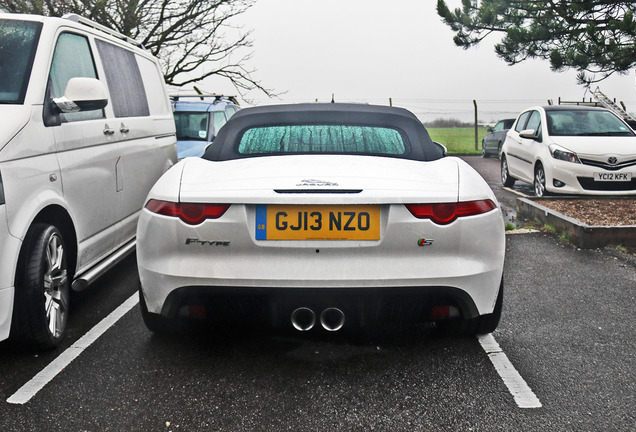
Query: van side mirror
[[82, 94]]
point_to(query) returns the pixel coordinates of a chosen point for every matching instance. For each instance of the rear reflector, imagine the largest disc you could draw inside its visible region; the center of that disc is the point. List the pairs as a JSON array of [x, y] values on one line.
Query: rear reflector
[[190, 213], [445, 213], [439, 312], [442, 312]]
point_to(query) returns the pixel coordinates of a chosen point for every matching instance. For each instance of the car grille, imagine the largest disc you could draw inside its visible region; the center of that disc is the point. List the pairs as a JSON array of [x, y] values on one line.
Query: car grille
[[606, 166], [588, 183]]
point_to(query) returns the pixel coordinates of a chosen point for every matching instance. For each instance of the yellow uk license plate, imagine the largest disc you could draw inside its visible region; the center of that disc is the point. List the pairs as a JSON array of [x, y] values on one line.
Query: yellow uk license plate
[[317, 222]]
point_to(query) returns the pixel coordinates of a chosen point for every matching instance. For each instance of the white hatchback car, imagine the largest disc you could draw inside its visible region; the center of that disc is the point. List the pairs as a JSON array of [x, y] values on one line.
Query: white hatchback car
[[570, 150], [322, 215]]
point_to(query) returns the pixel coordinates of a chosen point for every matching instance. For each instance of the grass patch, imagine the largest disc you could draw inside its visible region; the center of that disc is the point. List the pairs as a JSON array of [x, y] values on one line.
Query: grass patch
[[625, 249], [549, 228], [458, 140], [510, 226], [565, 238]]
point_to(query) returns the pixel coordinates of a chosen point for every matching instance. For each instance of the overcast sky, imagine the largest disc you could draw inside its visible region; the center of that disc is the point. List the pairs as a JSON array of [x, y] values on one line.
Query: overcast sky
[[370, 50]]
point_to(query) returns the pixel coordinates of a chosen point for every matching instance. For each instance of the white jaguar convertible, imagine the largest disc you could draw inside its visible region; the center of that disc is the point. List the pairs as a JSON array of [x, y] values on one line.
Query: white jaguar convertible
[[324, 217]]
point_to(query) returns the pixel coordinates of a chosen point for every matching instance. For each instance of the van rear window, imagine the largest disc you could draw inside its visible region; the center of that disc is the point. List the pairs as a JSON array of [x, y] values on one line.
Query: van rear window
[[18, 42], [328, 139]]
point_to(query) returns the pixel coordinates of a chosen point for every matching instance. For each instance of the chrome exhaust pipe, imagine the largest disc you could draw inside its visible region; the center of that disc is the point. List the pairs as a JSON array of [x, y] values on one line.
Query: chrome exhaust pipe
[[332, 319], [303, 319]]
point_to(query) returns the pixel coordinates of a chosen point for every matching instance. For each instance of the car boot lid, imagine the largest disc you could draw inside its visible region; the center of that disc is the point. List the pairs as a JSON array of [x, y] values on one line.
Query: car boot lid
[[319, 178]]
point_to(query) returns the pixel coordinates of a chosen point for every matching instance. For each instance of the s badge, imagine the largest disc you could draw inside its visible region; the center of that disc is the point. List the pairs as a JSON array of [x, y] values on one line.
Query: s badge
[[424, 242]]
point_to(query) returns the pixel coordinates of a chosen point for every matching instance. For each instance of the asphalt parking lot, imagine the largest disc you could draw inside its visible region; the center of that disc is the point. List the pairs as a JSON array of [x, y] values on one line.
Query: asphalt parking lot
[[567, 334]]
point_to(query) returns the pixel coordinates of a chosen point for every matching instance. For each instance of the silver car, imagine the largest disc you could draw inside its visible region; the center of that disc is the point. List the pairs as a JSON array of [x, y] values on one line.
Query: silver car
[[493, 141]]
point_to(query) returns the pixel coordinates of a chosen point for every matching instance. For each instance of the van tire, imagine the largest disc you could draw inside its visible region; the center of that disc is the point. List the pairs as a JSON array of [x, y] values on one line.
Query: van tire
[[42, 292]]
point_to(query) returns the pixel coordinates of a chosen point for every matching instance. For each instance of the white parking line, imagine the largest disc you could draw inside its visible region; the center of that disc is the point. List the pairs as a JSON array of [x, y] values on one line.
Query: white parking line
[[30, 389], [524, 397]]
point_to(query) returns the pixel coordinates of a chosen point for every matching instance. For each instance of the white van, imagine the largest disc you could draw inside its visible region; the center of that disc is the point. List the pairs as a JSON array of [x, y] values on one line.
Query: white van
[[87, 129]]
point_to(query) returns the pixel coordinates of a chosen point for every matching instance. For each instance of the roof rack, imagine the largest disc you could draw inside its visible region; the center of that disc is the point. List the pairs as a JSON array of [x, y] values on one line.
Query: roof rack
[[217, 97], [604, 102], [89, 23]]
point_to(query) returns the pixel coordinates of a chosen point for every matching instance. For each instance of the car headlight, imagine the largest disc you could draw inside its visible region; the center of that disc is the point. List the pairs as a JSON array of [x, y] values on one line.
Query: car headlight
[[560, 153]]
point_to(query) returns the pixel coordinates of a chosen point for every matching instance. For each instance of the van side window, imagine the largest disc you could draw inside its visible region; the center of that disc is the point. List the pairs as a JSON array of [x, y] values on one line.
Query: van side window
[[72, 58], [125, 85]]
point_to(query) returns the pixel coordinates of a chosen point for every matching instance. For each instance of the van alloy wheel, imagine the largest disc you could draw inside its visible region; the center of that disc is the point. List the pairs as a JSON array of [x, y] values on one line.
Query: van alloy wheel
[[42, 289], [55, 283]]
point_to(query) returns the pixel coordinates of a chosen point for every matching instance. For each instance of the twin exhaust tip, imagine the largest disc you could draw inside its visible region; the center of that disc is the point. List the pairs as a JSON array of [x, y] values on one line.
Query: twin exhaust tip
[[304, 319]]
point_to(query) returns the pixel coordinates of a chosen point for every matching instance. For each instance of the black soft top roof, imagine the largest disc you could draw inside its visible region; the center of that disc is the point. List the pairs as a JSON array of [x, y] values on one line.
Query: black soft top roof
[[420, 145]]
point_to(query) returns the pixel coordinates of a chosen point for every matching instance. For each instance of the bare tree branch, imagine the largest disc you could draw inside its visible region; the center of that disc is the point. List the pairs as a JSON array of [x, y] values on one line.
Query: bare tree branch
[[194, 39]]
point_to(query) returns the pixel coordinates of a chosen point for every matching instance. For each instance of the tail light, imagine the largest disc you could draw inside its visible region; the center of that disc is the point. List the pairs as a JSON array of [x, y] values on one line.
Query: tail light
[[190, 213], [445, 213]]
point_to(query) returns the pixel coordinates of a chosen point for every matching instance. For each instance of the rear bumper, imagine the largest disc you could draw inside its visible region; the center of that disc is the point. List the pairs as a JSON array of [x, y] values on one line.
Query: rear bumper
[[274, 306]]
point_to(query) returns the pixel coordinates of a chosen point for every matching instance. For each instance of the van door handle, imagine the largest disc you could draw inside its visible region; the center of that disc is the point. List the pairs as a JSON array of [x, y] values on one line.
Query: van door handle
[[124, 129], [108, 130]]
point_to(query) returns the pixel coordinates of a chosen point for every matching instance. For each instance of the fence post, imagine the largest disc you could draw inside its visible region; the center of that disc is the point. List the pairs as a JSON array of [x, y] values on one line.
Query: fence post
[[476, 129]]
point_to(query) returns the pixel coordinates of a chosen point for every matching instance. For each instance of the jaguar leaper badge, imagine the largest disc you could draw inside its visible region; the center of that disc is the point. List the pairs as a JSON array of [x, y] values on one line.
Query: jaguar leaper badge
[[316, 183]]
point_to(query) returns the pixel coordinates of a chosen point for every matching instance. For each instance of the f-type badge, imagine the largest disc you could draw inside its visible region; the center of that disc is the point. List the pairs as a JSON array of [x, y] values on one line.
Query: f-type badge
[[424, 242], [207, 242]]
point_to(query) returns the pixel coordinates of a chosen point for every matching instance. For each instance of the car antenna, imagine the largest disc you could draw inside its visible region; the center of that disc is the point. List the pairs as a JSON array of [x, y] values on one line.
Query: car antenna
[[332, 98]]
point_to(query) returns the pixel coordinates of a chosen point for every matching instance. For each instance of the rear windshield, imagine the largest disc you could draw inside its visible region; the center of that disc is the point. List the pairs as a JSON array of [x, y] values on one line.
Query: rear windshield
[[18, 41], [326, 139], [585, 123], [192, 126]]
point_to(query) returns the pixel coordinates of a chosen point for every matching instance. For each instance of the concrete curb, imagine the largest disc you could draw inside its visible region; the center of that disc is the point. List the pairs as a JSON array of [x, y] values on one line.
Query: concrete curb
[[580, 234]]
